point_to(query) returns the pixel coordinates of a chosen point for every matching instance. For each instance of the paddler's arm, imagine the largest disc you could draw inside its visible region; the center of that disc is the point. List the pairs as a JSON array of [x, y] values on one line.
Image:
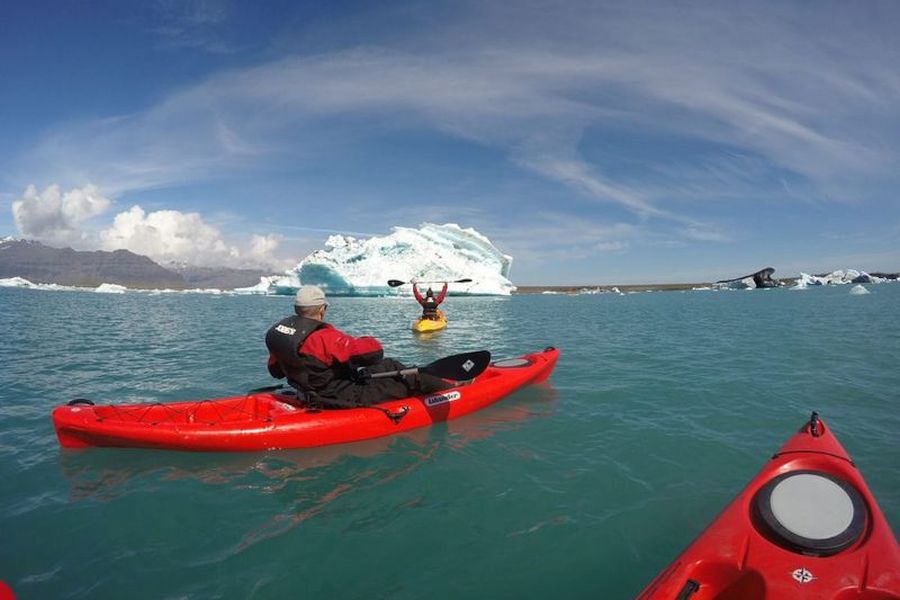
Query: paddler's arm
[[443, 293]]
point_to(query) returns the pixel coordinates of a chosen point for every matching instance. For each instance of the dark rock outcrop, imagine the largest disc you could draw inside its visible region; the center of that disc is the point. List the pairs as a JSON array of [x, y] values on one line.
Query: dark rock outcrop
[[42, 264], [762, 278]]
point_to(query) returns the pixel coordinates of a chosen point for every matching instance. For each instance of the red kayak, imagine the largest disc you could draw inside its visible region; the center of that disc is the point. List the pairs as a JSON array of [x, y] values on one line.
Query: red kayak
[[805, 527], [278, 420]]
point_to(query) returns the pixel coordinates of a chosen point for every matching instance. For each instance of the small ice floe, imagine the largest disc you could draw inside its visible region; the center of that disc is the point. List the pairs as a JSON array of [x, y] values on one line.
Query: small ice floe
[[21, 282], [599, 290], [16, 282], [859, 290], [110, 288]]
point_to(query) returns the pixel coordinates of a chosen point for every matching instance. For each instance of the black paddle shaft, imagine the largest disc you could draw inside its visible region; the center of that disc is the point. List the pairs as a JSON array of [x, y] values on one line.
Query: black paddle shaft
[[397, 282], [457, 367]]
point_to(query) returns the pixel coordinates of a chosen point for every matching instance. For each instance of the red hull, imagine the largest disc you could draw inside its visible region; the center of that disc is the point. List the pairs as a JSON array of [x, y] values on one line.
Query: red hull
[[273, 421], [739, 556]]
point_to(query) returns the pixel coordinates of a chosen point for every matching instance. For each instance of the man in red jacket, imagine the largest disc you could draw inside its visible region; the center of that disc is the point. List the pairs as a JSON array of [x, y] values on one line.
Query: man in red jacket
[[321, 360]]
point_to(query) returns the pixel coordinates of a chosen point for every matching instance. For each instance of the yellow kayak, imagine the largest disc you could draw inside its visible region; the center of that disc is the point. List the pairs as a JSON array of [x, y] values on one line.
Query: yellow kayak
[[424, 325]]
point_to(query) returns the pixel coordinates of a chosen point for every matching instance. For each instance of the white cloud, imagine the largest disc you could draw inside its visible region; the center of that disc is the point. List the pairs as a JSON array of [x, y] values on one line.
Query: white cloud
[[171, 235], [62, 219], [55, 217], [547, 237], [262, 250], [168, 235]]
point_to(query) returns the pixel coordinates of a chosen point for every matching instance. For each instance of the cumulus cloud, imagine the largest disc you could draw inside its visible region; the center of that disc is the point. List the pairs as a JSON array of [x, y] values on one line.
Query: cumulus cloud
[[262, 248], [168, 235], [62, 219], [175, 236], [55, 217]]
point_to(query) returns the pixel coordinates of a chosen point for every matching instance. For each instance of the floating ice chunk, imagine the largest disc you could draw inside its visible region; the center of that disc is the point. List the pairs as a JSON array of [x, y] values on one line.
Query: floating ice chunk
[[839, 277], [19, 282], [110, 288], [746, 283], [858, 290]]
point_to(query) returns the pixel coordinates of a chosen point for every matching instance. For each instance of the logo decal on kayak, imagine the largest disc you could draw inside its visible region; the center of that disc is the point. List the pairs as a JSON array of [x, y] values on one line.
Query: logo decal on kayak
[[467, 366], [441, 398], [286, 330], [802, 575]]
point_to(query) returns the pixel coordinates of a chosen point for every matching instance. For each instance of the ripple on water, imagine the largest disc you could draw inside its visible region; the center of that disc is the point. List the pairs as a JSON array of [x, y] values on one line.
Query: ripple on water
[[660, 410]]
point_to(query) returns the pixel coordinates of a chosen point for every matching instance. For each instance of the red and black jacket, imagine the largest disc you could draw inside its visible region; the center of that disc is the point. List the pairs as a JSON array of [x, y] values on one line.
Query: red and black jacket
[[316, 357], [429, 305]]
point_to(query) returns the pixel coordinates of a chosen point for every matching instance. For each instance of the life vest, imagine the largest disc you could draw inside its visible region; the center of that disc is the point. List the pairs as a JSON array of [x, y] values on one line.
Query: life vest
[[430, 308], [284, 340]]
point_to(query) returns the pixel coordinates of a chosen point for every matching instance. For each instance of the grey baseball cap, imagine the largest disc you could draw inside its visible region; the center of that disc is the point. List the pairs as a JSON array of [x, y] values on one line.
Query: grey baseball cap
[[310, 295]]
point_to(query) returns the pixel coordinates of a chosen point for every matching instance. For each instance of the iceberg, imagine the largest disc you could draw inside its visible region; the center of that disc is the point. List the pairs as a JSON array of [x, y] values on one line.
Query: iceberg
[[110, 288], [348, 266], [858, 290], [839, 277]]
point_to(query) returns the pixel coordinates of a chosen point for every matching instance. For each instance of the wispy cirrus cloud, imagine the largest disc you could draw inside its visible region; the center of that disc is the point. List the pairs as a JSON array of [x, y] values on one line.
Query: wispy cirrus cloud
[[792, 92], [193, 24]]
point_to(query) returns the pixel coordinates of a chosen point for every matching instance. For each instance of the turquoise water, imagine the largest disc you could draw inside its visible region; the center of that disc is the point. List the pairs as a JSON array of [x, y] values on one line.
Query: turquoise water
[[662, 407]]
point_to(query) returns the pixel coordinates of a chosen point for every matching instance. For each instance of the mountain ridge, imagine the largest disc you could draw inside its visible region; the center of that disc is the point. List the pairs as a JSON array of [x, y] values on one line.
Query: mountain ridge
[[39, 263]]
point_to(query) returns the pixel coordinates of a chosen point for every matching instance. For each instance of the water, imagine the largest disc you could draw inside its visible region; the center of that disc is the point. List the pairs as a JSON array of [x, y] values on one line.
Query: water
[[662, 407]]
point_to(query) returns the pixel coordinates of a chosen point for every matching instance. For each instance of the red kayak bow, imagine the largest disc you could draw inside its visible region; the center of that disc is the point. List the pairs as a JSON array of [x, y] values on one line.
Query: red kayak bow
[[805, 527]]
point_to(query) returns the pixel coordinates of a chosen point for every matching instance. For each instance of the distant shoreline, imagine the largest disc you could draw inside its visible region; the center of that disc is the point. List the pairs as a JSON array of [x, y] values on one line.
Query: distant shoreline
[[523, 290]]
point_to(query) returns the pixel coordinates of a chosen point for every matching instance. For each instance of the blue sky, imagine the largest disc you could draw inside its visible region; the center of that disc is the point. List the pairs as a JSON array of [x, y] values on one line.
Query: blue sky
[[595, 143]]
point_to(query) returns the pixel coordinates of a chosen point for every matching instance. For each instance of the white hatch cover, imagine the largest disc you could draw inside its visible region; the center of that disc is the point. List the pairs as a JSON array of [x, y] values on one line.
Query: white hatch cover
[[810, 512], [811, 506], [511, 362]]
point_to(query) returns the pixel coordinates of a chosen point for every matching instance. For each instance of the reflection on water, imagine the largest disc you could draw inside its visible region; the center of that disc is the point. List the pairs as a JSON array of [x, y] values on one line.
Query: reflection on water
[[305, 483], [105, 473]]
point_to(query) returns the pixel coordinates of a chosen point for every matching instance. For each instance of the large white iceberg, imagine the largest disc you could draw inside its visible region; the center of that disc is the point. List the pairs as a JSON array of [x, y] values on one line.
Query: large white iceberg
[[348, 266]]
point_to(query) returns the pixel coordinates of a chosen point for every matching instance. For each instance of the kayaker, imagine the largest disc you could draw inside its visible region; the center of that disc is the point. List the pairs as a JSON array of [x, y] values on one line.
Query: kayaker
[[429, 302], [323, 361]]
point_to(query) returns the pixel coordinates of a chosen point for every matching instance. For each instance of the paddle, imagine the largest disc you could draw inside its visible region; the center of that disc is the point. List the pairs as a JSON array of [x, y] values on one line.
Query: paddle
[[457, 367], [397, 282], [268, 388]]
